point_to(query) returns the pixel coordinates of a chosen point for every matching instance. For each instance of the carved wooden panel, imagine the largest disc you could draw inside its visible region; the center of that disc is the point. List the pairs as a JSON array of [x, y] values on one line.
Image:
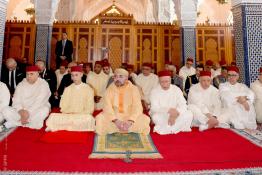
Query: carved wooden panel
[[172, 48], [133, 43], [19, 40], [214, 42]]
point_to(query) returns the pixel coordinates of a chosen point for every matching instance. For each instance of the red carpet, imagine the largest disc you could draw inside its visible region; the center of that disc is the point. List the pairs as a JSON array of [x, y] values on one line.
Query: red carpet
[[65, 137], [214, 149]]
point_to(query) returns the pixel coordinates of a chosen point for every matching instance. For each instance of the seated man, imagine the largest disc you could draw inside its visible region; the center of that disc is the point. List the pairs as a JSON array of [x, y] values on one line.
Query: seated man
[[204, 102], [50, 77], [11, 75], [131, 73], [187, 70], [122, 110], [67, 81], [237, 100], [168, 107], [98, 81], [222, 78], [193, 79], [257, 89], [146, 81], [77, 106], [30, 102], [4, 101]]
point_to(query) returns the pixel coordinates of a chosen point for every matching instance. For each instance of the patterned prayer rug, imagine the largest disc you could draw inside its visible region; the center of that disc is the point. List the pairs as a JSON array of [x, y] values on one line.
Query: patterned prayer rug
[[254, 136], [128, 146]]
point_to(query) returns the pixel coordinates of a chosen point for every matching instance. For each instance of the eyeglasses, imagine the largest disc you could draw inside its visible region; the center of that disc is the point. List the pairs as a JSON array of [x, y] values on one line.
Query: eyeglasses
[[231, 75], [146, 68]]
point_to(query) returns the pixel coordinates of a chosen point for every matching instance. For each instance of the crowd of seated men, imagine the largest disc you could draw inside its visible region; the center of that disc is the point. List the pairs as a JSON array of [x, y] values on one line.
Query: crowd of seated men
[[174, 99]]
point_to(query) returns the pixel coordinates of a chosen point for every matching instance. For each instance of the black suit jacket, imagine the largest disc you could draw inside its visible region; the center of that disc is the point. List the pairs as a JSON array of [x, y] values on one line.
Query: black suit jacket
[[19, 76], [190, 80], [67, 81], [50, 77], [68, 51]]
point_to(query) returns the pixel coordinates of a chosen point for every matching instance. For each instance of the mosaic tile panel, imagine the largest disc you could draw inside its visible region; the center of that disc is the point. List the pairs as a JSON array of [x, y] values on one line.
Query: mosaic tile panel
[[248, 39], [43, 42], [188, 43]]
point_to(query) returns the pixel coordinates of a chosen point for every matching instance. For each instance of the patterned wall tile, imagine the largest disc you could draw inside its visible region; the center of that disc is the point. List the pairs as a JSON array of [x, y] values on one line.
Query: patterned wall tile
[[248, 39], [43, 42], [188, 43]]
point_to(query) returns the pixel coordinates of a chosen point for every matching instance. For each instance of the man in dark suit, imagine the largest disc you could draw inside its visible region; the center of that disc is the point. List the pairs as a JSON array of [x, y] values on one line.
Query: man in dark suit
[[11, 75], [63, 50], [193, 79], [67, 81], [50, 78]]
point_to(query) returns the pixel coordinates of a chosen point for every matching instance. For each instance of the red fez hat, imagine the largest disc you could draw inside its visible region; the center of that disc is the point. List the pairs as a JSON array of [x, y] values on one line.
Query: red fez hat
[[190, 60], [64, 63], [99, 62], [106, 64], [205, 73], [130, 66], [168, 62], [147, 65], [209, 63], [233, 63], [77, 69], [87, 65], [104, 61], [222, 63], [164, 73], [32, 69], [233, 68]]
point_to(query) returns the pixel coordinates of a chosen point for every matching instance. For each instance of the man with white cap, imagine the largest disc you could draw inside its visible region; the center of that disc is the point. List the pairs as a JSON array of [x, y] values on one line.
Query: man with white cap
[[30, 102], [237, 101], [77, 106], [257, 89], [170, 115], [204, 102], [122, 110]]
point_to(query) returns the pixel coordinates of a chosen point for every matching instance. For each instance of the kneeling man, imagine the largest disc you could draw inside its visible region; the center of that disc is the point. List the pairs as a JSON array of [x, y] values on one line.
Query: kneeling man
[[168, 107], [77, 106], [204, 102], [30, 102], [122, 110]]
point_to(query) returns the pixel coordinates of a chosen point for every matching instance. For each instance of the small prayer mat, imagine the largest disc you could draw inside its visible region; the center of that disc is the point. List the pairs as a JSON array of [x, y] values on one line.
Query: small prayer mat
[[124, 146]]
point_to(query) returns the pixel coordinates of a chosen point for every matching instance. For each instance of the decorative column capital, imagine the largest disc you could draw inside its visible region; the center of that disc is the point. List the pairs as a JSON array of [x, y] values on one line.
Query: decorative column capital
[[45, 11], [239, 2]]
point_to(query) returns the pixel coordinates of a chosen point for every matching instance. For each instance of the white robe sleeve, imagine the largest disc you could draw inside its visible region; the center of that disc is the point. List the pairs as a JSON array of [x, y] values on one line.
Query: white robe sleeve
[[194, 98], [155, 103], [181, 106], [42, 98], [226, 96], [5, 96], [18, 98], [217, 102], [250, 94]]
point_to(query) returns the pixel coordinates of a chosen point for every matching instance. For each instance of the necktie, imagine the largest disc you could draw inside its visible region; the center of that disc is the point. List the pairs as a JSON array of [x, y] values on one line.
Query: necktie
[[63, 43], [12, 85]]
